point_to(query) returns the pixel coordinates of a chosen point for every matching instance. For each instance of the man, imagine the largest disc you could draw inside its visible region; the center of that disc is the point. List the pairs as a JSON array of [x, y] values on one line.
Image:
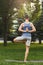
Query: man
[[26, 28]]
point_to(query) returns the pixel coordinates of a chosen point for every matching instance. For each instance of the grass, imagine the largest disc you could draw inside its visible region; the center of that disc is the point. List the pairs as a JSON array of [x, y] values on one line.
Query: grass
[[17, 51]]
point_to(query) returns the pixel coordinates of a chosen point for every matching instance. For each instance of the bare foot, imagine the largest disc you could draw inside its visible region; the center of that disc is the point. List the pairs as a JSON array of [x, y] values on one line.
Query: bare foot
[[24, 60]]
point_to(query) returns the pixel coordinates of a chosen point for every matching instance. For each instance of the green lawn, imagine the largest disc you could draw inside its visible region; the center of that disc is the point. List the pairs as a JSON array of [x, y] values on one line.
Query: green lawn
[[16, 52]]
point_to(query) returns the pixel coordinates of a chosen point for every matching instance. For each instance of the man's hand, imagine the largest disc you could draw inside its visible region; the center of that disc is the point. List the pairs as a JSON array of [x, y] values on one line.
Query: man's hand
[[27, 30]]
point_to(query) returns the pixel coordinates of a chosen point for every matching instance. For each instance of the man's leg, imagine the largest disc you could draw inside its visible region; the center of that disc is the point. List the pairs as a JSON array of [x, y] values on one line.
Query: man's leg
[[14, 40], [26, 53], [27, 49], [19, 39]]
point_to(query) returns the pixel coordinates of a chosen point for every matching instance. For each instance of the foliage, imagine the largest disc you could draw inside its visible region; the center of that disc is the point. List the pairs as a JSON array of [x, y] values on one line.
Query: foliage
[[7, 6], [21, 12], [7, 12], [34, 12]]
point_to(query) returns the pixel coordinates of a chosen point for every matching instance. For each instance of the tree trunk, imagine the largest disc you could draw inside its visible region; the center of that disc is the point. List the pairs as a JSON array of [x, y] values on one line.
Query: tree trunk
[[39, 41], [5, 30]]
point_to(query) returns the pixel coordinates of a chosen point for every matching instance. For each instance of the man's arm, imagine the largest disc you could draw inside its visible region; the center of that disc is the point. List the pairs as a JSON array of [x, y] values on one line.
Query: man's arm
[[33, 28], [20, 28]]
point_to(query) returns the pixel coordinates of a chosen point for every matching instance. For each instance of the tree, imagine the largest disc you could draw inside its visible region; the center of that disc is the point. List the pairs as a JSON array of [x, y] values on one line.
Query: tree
[[5, 6], [31, 7], [6, 12]]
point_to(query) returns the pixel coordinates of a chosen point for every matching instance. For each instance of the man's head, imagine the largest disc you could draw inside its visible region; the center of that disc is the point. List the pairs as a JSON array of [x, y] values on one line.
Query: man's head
[[26, 17]]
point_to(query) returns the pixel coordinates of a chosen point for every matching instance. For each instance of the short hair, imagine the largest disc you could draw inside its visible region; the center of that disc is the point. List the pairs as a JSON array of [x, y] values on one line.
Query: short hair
[[26, 17]]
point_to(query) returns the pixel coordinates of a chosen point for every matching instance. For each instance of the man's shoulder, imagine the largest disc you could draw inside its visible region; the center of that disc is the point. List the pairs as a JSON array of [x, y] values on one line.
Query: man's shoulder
[[31, 23], [22, 24]]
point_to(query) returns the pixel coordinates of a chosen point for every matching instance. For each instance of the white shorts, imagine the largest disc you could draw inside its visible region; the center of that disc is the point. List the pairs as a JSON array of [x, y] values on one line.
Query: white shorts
[[28, 39]]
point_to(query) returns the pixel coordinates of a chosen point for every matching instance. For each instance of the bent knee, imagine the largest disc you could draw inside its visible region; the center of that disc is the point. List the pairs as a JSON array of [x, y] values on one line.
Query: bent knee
[[14, 40]]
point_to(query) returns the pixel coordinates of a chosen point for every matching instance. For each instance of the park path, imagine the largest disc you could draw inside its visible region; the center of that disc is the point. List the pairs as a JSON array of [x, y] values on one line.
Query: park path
[[34, 61]]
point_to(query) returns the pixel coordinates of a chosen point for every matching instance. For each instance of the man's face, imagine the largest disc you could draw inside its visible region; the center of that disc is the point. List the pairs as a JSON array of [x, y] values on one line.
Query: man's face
[[27, 19]]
